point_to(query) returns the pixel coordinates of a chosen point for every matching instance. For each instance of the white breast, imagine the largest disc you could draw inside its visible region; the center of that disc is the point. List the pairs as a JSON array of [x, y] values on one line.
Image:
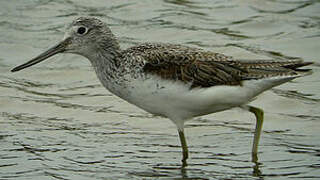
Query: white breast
[[176, 100], [179, 103]]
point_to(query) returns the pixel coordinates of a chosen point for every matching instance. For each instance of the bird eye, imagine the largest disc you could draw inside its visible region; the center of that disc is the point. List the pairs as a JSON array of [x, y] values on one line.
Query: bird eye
[[82, 30]]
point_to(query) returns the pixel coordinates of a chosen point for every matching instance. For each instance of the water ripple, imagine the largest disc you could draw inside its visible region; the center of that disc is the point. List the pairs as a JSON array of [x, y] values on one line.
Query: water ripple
[[53, 127]]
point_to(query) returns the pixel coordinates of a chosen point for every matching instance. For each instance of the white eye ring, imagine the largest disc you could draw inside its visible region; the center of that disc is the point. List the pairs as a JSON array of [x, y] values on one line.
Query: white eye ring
[[81, 30]]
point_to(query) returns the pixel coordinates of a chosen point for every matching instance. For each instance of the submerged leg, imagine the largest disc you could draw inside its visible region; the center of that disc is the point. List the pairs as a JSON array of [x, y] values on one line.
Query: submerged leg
[[184, 147], [259, 117]]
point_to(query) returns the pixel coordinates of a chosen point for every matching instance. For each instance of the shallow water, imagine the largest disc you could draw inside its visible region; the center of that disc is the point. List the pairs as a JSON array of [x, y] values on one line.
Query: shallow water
[[58, 122]]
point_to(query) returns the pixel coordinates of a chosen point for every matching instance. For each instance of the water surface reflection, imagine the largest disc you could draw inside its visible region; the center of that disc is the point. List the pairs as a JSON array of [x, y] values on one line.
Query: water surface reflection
[[58, 122]]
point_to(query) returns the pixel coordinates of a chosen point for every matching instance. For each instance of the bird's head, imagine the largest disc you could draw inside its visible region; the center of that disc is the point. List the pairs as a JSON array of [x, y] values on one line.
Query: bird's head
[[83, 36]]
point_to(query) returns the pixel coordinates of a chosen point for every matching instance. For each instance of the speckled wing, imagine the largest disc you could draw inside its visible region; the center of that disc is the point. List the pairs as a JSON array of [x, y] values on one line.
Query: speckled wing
[[205, 69]]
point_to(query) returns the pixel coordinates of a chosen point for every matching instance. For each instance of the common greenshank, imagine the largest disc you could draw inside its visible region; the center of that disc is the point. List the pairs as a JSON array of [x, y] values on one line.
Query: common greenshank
[[174, 81]]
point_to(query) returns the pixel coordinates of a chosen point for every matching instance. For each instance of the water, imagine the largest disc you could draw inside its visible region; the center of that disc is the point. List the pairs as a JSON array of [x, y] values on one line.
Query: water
[[58, 122]]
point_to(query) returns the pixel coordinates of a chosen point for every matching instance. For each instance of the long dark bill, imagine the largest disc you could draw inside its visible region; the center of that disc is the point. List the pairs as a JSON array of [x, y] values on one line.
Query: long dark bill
[[59, 48]]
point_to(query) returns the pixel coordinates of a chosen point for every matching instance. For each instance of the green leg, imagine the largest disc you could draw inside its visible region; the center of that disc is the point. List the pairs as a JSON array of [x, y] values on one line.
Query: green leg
[[184, 148], [259, 117]]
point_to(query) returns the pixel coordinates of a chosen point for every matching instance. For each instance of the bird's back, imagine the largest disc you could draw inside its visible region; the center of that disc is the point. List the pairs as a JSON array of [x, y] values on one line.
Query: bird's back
[[205, 68]]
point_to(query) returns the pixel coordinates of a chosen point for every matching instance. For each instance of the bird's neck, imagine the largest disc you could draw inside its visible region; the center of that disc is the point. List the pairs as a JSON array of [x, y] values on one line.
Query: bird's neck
[[106, 61], [106, 54]]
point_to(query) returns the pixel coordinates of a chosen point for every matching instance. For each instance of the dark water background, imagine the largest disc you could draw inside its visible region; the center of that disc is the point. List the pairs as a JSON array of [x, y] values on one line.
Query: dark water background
[[58, 122]]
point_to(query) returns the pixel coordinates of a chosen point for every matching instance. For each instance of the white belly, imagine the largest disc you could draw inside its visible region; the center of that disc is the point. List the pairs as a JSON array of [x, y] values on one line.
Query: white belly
[[178, 102]]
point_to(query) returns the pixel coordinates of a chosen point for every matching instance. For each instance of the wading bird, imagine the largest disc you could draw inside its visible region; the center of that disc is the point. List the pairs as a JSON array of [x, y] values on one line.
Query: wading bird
[[173, 81]]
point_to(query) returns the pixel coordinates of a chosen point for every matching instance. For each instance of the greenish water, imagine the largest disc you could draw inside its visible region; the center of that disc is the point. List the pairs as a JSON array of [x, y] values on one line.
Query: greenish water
[[58, 122]]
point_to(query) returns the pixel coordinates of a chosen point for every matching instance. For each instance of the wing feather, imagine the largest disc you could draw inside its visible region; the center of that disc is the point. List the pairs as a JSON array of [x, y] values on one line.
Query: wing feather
[[205, 69]]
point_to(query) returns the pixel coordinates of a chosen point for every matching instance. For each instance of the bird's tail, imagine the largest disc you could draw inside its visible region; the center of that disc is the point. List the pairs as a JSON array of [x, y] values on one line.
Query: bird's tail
[[296, 67]]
